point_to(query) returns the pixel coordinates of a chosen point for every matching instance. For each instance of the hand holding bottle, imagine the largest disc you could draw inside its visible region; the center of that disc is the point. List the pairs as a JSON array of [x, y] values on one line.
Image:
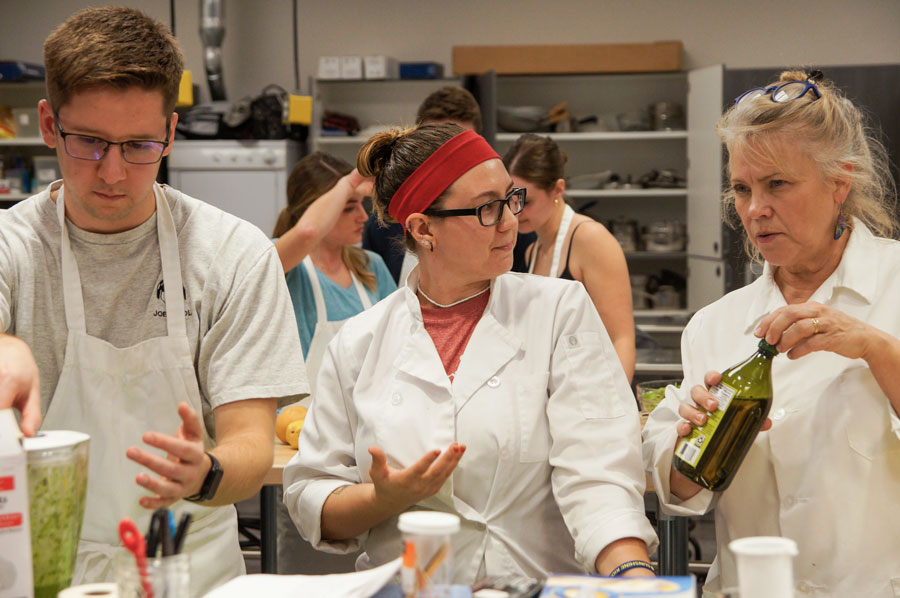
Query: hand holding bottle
[[711, 453], [695, 415]]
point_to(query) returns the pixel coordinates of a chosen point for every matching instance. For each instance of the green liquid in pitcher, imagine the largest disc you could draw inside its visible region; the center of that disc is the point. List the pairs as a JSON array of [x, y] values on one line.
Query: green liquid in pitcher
[[56, 491]]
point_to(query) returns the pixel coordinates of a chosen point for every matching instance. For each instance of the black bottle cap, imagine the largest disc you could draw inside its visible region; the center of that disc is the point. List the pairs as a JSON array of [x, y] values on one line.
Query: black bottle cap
[[766, 348]]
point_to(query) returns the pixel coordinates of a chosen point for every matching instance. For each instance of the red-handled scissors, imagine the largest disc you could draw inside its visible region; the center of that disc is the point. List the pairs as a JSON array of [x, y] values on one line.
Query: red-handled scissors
[[134, 542]]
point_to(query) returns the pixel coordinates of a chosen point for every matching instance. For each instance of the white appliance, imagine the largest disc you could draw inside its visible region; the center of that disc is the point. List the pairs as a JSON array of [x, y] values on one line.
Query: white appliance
[[246, 178]]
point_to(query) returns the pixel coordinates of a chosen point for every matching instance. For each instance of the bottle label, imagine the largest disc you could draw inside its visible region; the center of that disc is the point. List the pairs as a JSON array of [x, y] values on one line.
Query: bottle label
[[691, 447]]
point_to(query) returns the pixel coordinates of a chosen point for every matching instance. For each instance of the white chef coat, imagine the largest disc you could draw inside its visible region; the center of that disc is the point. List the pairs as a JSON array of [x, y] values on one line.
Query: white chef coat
[[827, 474], [551, 473]]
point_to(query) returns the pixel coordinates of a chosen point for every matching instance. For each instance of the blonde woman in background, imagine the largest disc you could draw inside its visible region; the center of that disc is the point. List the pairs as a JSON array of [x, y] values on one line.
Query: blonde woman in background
[[571, 246], [329, 278], [815, 199]]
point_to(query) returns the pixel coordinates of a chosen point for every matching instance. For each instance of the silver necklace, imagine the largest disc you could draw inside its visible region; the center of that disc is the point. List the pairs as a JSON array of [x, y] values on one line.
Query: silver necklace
[[432, 301]]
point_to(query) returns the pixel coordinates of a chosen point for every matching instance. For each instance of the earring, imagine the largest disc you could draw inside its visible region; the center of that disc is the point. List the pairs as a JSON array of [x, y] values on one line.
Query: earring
[[840, 226], [556, 201], [424, 243]]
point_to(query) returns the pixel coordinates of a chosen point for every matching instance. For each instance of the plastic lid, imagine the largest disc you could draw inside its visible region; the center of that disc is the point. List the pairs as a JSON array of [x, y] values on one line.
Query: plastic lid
[[54, 439], [763, 546], [428, 523]]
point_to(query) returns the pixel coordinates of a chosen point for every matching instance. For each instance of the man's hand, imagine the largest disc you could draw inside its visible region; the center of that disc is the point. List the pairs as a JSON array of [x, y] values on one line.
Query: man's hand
[[182, 471], [20, 383]]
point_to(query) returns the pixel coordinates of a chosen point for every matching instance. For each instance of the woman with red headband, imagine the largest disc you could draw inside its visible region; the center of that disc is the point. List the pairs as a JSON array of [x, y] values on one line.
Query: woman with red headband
[[494, 396]]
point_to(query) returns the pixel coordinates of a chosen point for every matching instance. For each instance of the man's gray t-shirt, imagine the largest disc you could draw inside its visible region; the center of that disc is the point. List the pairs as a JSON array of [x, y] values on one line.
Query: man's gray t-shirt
[[240, 322]]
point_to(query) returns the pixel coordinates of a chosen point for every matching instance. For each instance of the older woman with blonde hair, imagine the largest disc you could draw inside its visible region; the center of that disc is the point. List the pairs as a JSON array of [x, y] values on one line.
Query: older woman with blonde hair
[[494, 396], [814, 196]]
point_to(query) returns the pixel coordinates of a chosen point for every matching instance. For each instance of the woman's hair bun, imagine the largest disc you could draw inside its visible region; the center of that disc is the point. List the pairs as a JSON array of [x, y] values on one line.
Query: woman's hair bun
[[376, 152]]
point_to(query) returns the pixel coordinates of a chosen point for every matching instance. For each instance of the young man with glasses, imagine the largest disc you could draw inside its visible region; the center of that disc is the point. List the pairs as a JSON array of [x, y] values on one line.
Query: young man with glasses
[[137, 314]]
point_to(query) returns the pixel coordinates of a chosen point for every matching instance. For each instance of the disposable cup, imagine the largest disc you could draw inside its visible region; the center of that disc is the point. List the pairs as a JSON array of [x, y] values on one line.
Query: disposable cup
[[765, 566]]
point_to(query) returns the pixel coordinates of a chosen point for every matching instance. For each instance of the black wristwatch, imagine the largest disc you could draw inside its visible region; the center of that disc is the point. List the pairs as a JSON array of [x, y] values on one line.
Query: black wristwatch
[[210, 482]]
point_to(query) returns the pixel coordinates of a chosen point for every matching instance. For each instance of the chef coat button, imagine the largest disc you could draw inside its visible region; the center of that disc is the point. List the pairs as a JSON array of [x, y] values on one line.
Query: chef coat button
[[480, 526], [573, 341], [396, 399], [778, 414], [504, 454], [789, 501], [804, 587], [494, 382]]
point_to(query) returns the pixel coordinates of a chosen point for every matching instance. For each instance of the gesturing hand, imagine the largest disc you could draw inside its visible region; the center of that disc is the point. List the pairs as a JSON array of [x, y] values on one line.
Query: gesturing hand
[[402, 488], [182, 471]]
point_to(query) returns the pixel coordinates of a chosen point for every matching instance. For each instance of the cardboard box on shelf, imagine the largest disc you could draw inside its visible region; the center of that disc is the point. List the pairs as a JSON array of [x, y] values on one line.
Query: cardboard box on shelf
[[329, 67], [380, 67], [421, 70], [46, 170], [26, 122], [351, 67], [572, 58]]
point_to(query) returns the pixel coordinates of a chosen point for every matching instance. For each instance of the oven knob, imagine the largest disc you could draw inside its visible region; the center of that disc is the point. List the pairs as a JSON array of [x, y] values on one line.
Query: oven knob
[[269, 157]]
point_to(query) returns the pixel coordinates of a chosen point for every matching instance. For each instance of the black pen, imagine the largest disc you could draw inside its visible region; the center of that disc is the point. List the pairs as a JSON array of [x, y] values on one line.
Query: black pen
[[181, 533], [153, 535], [165, 532]]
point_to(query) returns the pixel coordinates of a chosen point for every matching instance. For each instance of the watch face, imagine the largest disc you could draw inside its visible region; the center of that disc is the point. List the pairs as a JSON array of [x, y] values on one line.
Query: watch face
[[211, 483]]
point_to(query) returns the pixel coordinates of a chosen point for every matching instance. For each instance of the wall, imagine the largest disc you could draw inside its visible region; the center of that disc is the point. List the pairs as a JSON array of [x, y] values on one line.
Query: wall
[[258, 39]]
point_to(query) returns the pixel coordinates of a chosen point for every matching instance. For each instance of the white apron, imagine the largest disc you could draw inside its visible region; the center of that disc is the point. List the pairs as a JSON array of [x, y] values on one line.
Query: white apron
[[115, 395], [324, 330], [565, 222]]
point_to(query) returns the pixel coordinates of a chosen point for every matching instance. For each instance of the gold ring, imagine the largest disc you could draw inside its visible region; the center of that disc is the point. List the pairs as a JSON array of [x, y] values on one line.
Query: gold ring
[[815, 322]]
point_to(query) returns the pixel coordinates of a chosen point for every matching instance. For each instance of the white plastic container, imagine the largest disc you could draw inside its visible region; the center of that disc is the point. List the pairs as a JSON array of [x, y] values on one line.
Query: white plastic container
[[430, 533], [765, 566]]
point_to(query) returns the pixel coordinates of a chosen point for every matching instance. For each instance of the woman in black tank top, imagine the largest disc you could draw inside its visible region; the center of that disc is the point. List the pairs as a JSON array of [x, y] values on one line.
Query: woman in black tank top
[[592, 257]]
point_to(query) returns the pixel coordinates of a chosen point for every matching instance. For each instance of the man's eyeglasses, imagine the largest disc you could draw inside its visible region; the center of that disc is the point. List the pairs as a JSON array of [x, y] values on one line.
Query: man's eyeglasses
[[134, 151], [489, 213], [786, 92]]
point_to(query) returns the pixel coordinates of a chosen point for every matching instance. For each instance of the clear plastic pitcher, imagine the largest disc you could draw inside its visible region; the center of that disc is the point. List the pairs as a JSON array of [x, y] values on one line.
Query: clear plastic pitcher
[[57, 485]]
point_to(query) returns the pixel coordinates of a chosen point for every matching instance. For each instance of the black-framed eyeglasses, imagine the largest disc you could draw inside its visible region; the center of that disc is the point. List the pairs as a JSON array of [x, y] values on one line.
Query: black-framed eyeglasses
[[134, 151], [489, 213], [786, 92]]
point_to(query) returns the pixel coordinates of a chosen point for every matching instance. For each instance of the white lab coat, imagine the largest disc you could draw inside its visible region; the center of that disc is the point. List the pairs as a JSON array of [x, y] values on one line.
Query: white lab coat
[[827, 474], [551, 474]]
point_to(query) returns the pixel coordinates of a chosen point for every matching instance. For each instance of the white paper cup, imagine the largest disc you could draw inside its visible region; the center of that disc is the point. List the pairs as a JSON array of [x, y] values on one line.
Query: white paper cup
[[765, 566]]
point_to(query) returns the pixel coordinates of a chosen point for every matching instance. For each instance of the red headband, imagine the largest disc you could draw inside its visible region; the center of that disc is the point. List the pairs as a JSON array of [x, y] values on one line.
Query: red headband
[[453, 159]]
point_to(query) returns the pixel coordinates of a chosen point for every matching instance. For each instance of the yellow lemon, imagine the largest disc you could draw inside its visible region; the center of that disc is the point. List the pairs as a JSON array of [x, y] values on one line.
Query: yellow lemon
[[288, 415], [293, 432]]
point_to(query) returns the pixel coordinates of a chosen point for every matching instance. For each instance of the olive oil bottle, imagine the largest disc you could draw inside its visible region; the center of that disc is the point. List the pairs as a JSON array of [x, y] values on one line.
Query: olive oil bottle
[[711, 454]]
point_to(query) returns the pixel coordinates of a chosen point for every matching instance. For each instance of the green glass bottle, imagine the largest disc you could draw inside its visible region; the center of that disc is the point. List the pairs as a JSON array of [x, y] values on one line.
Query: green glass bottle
[[711, 454]]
